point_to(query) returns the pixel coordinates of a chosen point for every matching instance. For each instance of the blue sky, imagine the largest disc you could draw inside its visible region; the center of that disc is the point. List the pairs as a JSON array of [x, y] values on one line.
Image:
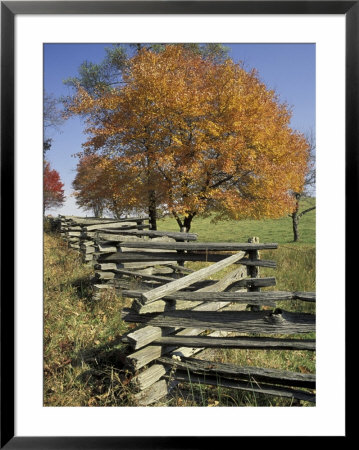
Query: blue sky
[[289, 69]]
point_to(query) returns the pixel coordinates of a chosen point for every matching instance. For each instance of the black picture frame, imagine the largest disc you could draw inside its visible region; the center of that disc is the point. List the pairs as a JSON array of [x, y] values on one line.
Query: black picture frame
[[9, 9]]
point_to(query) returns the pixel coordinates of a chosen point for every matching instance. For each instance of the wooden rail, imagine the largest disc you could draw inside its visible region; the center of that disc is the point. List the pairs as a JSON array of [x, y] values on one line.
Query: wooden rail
[[273, 322], [259, 343], [188, 256], [232, 371], [111, 234], [203, 246]]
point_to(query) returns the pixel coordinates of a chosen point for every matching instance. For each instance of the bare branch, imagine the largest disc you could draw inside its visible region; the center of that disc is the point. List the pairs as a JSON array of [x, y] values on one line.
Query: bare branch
[[306, 210]]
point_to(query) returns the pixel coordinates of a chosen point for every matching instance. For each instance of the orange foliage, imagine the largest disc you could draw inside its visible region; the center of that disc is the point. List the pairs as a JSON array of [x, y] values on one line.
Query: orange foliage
[[103, 183], [204, 136], [89, 184]]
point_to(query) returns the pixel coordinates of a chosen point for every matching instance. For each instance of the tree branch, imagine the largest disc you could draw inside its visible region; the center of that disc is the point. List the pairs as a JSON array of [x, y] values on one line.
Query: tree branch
[[306, 210]]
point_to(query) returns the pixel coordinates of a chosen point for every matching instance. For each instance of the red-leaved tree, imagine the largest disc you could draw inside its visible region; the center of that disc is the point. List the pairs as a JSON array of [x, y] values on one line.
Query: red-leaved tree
[[53, 188]]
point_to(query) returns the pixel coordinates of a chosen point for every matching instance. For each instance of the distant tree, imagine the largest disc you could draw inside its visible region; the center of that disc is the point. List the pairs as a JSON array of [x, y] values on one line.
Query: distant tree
[[307, 190], [103, 184], [52, 188], [53, 118], [47, 145], [89, 185]]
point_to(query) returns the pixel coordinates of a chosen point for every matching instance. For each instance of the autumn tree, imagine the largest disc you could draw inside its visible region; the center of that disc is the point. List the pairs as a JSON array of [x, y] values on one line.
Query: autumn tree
[[200, 135], [53, 191], [89, 185], [103, 184], [99, 79]]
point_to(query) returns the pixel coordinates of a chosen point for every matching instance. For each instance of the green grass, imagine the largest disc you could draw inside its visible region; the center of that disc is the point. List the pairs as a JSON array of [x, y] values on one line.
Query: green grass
[[83, 355], [269, 230]]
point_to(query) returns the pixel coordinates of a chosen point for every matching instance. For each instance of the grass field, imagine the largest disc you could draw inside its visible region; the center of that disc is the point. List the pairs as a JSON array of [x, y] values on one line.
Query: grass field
[[83, 356], [270, 230]]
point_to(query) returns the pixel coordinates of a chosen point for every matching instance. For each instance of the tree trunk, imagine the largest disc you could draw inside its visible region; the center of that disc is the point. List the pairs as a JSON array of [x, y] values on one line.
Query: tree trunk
[[152, 212], [295, 222], [187, 222], [295, 218], [98, 211]]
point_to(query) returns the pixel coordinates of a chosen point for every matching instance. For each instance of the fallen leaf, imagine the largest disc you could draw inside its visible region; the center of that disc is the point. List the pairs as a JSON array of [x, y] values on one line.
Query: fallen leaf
[[215, 403], [92, 401]]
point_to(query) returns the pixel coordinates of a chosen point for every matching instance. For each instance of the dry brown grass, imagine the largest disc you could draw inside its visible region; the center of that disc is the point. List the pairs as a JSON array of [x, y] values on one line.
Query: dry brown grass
[[83, 355]]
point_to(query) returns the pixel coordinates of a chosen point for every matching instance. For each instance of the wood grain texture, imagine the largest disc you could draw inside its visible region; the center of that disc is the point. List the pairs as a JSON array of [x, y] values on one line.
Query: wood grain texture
[[154, 393], [233, 282], [204, 246], [187, 280], [148, 377], [189, 256], [159, 278], [136, 266], [247, 282], [95, 231], [98, 220], [242, 342], [305, 296], [106, 248], [261, 298], [152, 234], [254, 374], [142, 337], [123, 248], [112, 225], [266, 389], [107, 238], [169, 303], [253, 272], [99, 275], [147, 354], [272, 322]]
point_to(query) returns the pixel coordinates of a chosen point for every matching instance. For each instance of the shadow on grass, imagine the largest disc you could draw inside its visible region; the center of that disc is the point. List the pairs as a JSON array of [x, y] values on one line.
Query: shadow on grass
[[106, 375], [113, 353], [84, 287]]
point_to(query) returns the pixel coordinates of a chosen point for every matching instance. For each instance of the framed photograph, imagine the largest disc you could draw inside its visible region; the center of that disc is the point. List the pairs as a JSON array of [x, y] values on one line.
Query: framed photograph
[[43, 41]]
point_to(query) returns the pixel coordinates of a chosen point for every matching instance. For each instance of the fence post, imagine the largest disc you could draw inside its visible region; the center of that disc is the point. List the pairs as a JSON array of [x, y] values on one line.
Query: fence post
[[180, 262], [253, 271]]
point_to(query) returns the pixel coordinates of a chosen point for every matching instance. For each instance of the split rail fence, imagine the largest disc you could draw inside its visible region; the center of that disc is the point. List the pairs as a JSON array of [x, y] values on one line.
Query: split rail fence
[[179, 318], [81, 233], [180, 312]]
